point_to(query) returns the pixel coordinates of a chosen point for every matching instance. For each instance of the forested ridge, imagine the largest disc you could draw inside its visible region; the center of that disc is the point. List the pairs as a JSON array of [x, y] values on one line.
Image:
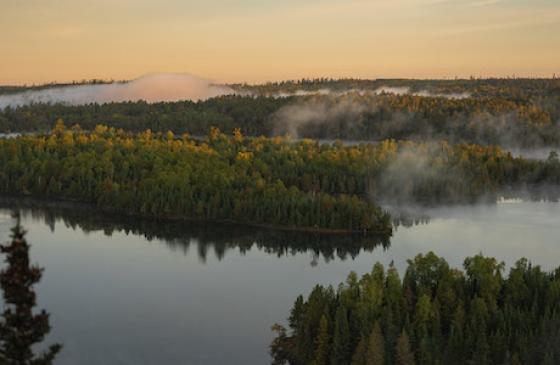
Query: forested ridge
[[434, 315], [518, 113]]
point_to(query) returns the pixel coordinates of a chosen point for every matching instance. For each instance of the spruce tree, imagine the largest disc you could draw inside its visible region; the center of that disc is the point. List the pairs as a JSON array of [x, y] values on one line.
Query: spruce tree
[[376, 347], [359, 357], [403, 353], [455, 346], [322, 342], [341, 338], [20, 328]]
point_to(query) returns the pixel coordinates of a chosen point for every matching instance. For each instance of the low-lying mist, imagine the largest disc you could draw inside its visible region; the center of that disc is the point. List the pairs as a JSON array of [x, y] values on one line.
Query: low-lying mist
[[402, 90], [375, 116], [534, 153], [321, 114], [525, 209], [150, 88]]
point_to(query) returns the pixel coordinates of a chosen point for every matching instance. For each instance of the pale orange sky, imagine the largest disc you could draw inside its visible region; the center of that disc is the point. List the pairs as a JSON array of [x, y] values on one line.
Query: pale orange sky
[[260, 40]]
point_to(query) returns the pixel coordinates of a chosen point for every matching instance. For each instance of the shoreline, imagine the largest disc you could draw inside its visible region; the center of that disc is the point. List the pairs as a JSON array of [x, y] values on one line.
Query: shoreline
[[49, 202]]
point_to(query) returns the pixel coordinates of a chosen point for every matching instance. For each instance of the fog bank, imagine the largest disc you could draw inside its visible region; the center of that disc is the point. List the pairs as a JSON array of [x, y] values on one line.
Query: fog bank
[[150, 88]]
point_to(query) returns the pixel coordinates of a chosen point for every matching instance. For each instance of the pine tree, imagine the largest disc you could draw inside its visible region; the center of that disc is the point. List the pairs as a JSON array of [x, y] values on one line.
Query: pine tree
[[455, 347], [376, 347], [359, 357], [323, 339], [390, 333], [403, 353], [341, 337], [422, 321], [479, 317], [20, 329]]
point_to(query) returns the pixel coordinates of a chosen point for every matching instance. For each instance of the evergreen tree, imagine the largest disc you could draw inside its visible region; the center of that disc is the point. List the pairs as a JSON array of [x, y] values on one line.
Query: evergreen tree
[[322, 343], [341, 338], [455, 349], [498, 327], [479, 318], [422, 318], [376, 347], [403, 352], [20, 328], [359, 357]]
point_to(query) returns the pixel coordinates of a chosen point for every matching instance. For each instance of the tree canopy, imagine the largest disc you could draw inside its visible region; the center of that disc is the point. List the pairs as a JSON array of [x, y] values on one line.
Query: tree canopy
[[434, 315]]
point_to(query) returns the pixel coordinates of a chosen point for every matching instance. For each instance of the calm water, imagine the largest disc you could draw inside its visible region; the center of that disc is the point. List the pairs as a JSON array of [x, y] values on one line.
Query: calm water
[[130, 292]]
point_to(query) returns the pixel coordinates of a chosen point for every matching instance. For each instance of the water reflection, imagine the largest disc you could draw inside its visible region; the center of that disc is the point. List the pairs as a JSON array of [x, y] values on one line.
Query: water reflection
[[181, 236], [105, 277], [404, 218], [219, 239]]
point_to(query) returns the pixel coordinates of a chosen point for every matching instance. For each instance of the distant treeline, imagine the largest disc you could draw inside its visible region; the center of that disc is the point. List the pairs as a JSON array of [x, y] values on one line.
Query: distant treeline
[[519, 113], [13, 89], [508, 88], [269, 181], [434, 315]]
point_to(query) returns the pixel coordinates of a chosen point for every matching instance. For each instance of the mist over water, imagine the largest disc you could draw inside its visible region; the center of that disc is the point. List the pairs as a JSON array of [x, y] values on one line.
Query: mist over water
[[150, 88]]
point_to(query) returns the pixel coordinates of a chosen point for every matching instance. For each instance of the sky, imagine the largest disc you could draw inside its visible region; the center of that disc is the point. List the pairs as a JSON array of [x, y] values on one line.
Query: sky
[[267, 40]]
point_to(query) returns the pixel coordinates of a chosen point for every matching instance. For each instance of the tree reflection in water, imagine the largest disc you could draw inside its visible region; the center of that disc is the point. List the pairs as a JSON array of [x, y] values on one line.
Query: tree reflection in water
[[204, 237]]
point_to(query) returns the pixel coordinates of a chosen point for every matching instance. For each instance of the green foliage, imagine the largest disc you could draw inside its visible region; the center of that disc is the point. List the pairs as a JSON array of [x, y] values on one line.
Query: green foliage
[[488, 323], [262, 181], [403, 353], [256, 180], [20, 328], [323, 343], [219, 178], [376, 347], [341, 337]]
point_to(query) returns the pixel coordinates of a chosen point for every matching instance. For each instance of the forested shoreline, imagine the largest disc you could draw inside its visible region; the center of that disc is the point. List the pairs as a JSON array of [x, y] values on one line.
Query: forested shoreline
[[434, 315], [276, 182], [179, 235], [155, 175]]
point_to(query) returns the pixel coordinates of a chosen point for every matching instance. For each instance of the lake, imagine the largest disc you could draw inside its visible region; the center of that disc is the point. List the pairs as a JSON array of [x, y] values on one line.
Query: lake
[[124, 291]]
